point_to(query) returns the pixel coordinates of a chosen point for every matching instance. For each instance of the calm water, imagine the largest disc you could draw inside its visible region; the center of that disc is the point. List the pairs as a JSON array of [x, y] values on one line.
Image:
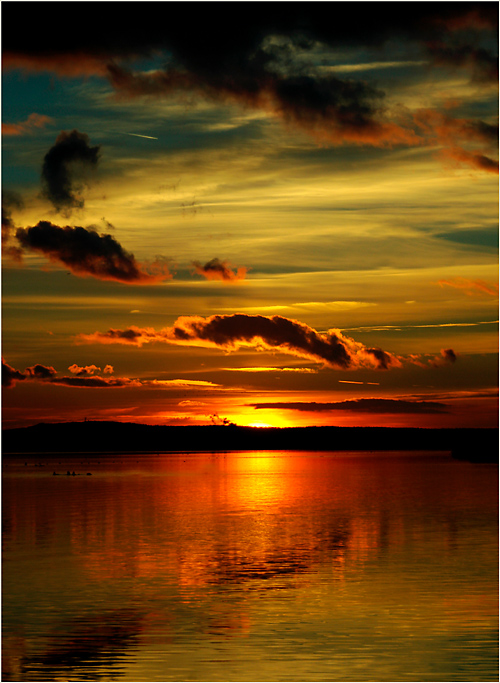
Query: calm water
[[250, 566]]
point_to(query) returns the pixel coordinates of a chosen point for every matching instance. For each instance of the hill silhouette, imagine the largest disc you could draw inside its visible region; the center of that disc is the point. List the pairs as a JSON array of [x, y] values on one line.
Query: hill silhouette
[[480, 445]]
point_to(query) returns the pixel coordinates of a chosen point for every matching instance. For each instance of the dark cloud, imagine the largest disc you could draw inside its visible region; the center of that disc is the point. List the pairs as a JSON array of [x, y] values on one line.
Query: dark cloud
[[10, 376], [66, 168], [40, 372], [87, 377], [219, 270], [142, 30], [240, 65], [47, 374], [331, 109], [362, 405], [96, 382], [448, 355], [36, 372], [276, 333], [87, 253], [273, 334], [482, 63]]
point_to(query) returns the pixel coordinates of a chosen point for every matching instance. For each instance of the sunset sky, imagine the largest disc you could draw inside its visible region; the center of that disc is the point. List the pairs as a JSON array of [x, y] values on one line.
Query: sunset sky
[[266, 213]]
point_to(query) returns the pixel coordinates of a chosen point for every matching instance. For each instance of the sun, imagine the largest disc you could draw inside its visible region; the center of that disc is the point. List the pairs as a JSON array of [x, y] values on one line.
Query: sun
[[270, 418]]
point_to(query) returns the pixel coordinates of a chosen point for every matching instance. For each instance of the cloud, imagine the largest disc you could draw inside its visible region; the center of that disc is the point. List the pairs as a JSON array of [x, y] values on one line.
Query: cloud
[[470, 286], [66, 169], [272, 334], [269, 368], [47, 374], [482, 63], [458, 157], [36, 372], [275, 333], [85, 376], [329, 108], [40, 372], [219, 270], [71, 65], [266, 63], [453, 133], [87, 253], [96, 382], [449, 355], [10, 375], [196, 383], [84, 371], [33, 122], [445, 357], [361, 405], [10, 200]]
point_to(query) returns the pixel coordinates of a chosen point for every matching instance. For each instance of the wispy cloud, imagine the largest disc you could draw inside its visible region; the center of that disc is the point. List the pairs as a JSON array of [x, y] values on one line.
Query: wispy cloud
[[270, 368], [470, 287], [148, 137]]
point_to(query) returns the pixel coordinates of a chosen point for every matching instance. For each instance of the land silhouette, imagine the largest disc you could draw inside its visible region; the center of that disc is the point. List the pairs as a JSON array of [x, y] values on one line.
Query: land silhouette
[[478, 445]]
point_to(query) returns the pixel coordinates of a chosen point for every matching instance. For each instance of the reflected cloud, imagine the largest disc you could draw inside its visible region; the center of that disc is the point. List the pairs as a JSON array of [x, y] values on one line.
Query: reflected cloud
[[88, 647]]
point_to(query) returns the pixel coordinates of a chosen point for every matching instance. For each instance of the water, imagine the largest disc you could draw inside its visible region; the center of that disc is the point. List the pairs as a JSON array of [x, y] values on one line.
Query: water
[[250, 566]]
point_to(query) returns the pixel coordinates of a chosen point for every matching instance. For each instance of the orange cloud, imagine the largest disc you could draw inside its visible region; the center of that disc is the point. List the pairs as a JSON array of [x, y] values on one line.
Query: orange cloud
[[460, 157], [219, 270], [66, 65], [470, 286], [33, 122], [445, 357], [83, 371], [276, 333], [453, 132]]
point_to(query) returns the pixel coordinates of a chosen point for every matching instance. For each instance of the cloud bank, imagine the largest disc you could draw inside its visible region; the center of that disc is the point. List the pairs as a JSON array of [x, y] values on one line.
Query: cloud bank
[[267, 63], [361, 405], [86, 377]]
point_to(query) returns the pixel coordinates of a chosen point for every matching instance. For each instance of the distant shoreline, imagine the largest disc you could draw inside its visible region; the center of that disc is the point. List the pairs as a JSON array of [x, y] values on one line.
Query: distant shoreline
[[70, 438]]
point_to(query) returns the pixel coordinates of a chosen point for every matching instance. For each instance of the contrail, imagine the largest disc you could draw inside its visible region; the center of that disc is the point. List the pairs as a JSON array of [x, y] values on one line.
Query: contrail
[[149, 137]]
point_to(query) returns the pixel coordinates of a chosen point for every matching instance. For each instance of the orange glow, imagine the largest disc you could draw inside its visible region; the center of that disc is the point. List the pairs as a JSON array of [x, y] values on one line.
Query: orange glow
[[249, 417]]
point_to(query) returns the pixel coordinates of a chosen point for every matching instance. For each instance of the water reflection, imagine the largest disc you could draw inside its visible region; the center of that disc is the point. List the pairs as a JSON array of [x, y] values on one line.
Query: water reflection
[[287, 566], [79, 648]]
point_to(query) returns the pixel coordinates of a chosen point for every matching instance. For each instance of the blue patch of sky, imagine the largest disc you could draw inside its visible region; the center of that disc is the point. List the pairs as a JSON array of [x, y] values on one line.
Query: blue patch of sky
[[480, 237]]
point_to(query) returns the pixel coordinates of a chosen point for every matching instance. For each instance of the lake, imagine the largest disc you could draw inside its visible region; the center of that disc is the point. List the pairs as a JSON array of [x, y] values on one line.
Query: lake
[[250, 566]]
